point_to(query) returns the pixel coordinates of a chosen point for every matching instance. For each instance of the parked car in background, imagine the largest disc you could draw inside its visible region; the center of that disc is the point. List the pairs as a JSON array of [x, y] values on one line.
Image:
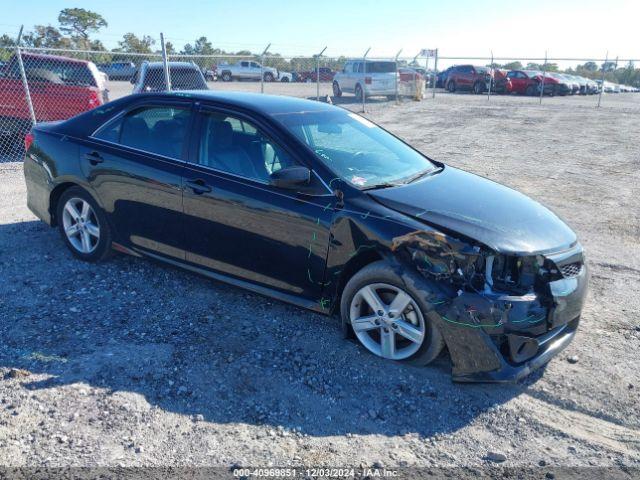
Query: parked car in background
[[210, 74], [528, 82], [369, 78], [285, 77], [60, 88], [413, 255], [441, 77], [246, 70], [118, 70], [326, 75], [468, 77], [501, 81], [183, 76]]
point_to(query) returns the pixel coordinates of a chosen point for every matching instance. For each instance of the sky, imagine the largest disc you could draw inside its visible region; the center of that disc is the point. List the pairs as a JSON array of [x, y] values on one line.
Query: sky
[[515, 29]]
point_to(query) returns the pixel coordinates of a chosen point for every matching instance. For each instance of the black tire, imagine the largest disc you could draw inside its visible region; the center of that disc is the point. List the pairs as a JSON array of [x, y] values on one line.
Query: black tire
[[358, 92], [530, 91], [268, 77], [103, 248], [381, 272], [478, 88], [284, 80], [226, 76], [336, 90], [392, 98], [451, 86], [552, 91]]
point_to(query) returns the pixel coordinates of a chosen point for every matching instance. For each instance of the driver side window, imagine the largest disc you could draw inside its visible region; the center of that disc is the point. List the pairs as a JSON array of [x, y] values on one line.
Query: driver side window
[[233, 145]]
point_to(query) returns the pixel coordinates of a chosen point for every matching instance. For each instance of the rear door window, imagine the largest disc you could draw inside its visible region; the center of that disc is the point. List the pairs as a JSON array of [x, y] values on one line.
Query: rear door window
[[158, 129]]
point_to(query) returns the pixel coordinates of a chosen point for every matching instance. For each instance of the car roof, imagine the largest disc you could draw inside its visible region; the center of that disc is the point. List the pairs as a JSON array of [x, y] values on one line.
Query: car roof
[[257, 102], [44, 56], [171, 64]]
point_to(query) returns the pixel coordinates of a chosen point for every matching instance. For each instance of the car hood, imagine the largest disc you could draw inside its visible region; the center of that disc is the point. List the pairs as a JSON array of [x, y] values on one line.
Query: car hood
[[497, 216]]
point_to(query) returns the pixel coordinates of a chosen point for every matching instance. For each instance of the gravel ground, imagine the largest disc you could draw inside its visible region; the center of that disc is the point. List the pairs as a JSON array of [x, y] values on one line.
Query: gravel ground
[[130, 363]]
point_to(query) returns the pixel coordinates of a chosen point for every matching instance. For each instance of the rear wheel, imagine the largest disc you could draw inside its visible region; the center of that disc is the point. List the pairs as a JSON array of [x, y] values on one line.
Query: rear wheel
[[478, 88], [451, 86], [268, 77], [389, 316], [336, 90], [530, 92], [83, 225], [358, 92], [226, 76]]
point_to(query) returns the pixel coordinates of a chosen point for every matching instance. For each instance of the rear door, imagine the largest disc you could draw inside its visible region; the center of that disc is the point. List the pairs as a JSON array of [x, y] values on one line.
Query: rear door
[[239, 225], [134, 164]]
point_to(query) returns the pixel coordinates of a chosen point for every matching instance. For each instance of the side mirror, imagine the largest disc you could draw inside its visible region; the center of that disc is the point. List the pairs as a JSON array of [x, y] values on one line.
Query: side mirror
[[290, 177]]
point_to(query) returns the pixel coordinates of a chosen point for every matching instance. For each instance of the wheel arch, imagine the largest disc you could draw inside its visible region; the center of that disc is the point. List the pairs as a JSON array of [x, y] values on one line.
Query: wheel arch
[[353, 266], [56, 193]]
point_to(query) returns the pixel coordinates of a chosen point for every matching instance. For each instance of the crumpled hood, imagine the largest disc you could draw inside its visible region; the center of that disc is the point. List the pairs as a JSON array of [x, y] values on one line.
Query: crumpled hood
[[501, 218]]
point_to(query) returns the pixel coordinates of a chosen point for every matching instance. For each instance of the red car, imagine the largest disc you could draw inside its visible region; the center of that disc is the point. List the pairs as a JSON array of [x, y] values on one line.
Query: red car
[[60, 88], [527, 82], [326, 75], [468, 77]]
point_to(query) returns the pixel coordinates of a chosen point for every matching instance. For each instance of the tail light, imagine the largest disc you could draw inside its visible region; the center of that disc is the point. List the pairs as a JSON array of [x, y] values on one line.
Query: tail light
[[367, 80], [95, 100], [28, 140]]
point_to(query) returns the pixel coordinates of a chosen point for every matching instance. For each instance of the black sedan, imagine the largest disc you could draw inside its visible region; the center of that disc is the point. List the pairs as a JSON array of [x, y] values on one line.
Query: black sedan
[[319, 207]]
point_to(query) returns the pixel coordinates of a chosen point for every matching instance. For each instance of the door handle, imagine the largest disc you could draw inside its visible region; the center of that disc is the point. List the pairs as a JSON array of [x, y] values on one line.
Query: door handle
[[198, 186], [94, 158]]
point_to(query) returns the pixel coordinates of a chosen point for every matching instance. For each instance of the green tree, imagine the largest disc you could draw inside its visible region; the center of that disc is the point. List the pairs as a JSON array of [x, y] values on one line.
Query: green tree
[[130, 43], [589, 67], [512, 66], [79, 23], [46, 37]]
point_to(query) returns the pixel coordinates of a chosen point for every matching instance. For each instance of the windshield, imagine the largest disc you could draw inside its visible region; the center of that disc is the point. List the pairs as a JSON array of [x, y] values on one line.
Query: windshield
[[182, 78], [355, 149]]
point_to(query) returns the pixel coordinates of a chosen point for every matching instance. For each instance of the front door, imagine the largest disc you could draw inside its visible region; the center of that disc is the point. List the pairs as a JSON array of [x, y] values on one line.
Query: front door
[[134, 164], [239, 225]]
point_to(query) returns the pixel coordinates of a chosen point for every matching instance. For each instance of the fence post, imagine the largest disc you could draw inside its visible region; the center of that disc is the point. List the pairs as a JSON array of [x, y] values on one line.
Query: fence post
[[364, 78], [262, 68], [318, 74], [544, 75], [490, 78], [397, 75], [435, 73], [606, 59], [165, 63], [23, 74]]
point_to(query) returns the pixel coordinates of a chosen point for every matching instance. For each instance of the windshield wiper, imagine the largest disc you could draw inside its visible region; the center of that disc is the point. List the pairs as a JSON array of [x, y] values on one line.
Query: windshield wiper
[[421, 174], [380, 185]]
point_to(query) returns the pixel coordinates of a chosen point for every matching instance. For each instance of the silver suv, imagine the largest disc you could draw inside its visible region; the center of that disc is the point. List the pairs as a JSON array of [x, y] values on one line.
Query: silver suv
[[183, 75], [373, 77]]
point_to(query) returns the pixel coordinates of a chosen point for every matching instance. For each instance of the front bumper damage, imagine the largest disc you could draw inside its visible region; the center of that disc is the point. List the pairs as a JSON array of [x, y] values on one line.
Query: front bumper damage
[[499, 337], [497, 331]]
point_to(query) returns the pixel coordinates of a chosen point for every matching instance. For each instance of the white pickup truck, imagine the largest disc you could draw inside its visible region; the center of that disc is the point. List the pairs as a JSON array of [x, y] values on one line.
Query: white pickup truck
[[246, 70]]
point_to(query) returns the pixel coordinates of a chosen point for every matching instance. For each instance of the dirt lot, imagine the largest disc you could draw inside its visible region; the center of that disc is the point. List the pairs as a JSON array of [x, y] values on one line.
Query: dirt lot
[[132, 363]]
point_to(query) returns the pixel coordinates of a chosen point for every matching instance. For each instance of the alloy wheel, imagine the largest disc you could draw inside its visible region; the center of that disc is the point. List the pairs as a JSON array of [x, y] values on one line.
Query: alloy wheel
[[81, 225], [387, 321]]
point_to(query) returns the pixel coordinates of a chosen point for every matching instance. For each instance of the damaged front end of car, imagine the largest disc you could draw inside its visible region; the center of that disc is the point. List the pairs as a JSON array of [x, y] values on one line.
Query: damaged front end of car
[[502, 315]]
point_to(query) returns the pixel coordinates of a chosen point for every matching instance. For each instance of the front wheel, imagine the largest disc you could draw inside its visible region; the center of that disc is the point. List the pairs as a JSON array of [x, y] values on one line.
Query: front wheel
[[336, 90], [226, 76], [389, 315], [531, 91], [268, 77], [477, 88], [83, 225], [358, 92], [451, 86]]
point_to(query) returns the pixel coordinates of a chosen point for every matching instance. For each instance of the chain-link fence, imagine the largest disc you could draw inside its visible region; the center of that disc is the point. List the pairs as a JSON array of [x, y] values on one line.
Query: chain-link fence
[[38, 84]]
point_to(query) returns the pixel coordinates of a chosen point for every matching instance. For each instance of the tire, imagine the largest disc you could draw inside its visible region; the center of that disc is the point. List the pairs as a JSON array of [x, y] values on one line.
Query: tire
[[336, 90], [392, 98], [451, 86], [358, 92], [552, 91], [268, 77], [99, 247], [478, 88], [284, 80], [226, 76], [530, 91], [417, 316]]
